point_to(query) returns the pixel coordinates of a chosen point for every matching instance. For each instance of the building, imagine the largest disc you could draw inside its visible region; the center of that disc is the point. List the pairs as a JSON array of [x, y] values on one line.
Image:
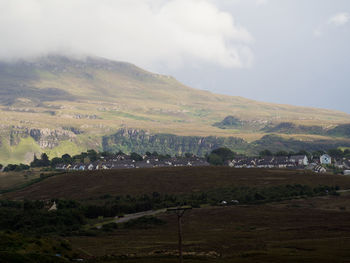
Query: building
[[325, 159], [319, 169], [299, 160], [346, 172], [53, 207]]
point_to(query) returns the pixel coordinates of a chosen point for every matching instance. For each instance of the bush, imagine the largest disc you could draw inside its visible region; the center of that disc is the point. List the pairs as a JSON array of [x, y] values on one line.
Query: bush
[[16, 167], [136, 157]]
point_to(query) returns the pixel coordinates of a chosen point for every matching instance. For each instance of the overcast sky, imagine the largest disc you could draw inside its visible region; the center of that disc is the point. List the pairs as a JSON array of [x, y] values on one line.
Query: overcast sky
[[283, 51]]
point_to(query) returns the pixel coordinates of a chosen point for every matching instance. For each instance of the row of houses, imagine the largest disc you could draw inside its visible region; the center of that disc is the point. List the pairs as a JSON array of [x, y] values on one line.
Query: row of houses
[[317, 165], [127, 163], [270, 162], [123, 161]]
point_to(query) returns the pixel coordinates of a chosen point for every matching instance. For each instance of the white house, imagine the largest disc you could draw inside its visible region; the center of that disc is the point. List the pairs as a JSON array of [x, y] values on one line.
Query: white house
[[325, 159], [346, 172], [299, 159]]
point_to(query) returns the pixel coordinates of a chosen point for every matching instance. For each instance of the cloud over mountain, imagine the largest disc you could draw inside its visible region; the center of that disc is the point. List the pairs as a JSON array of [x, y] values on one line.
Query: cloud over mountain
[[149, 33]]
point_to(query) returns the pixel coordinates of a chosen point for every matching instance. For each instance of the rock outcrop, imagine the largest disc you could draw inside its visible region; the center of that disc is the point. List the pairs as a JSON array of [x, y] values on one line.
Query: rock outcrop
[[134, 140], [46, 138]]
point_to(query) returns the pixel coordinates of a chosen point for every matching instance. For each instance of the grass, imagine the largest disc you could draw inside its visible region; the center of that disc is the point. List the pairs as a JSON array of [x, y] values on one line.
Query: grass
[[66, 147], [300, 230], [23, 150], [14, 179], [266, 233], [16, 247], [174, 180]]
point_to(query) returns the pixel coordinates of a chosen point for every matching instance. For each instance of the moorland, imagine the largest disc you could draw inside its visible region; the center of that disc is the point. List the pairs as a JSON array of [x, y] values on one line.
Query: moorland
[[281, 215]]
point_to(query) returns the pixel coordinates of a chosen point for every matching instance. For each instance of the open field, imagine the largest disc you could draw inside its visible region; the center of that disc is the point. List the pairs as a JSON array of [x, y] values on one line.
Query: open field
[[304, 229], [175, 180], [11, 181], [14, 179], [311, 230]]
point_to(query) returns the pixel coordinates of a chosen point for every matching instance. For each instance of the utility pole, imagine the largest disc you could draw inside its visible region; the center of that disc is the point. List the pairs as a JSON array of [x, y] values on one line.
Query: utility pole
[[179, 211]]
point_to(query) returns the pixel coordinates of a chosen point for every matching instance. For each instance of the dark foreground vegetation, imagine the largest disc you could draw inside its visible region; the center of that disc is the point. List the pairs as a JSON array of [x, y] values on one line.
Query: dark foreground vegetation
[[33, 216], [248, 215]]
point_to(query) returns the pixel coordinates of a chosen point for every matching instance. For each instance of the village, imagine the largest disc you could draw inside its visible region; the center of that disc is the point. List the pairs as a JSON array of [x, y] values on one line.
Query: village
[[124, 161], [325, 163]]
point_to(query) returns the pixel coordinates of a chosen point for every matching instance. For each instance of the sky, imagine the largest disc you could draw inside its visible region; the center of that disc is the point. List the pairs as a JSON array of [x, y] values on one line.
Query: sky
[[283, 51]]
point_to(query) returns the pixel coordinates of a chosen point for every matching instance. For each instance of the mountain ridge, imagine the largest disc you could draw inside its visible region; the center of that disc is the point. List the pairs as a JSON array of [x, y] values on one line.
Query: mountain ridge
[[97, 97]]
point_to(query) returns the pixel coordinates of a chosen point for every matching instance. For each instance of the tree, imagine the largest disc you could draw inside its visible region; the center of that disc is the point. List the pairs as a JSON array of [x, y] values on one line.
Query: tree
[[45, 160], [282, 153], [67, 159], [336, 153], [21, 167], [55, 161], [188, 155], [225, 153], [16, 167], [42, 162], [106, 154], [92, 154], [35, 162], [318, 154], [1, 166], [215, 159], [149, 154], [136, 157], [347, 153], [265, 153]]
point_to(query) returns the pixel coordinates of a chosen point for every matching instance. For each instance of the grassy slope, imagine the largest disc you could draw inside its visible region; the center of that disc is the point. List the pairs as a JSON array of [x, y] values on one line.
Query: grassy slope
[[24, 150], [120, 94]]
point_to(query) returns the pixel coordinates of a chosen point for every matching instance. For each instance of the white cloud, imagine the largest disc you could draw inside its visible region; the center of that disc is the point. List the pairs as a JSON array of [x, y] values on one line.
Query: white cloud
[[339, 19], [148, 32]]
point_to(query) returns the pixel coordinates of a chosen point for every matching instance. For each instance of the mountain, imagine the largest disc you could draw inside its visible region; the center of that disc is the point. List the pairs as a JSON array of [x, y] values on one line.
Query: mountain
[[60, 104]]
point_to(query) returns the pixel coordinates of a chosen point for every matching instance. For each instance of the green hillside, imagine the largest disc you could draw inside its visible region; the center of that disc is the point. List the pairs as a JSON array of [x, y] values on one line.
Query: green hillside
[[58, 104]]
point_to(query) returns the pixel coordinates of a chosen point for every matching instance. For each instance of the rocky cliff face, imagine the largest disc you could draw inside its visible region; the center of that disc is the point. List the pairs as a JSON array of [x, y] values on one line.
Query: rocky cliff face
[[46, 138], [133, 140]]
